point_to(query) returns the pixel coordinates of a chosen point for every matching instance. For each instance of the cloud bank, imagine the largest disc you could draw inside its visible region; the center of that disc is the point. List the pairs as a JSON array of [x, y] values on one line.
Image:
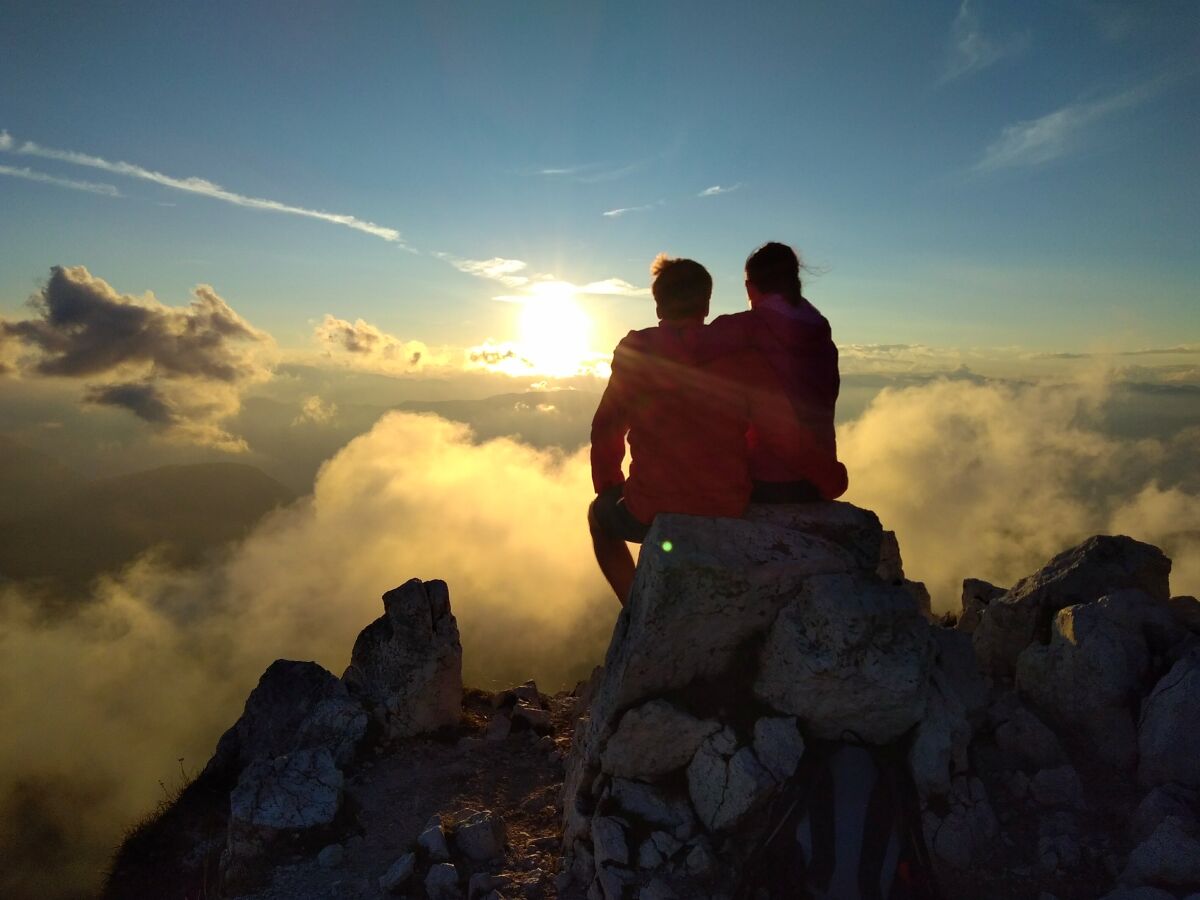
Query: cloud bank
[[989, 480], [180, 369], [366, 345], [160, 661]]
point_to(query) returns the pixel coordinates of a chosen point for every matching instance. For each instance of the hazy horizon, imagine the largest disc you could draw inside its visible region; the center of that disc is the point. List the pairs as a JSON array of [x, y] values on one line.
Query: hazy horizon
[[377, 260]]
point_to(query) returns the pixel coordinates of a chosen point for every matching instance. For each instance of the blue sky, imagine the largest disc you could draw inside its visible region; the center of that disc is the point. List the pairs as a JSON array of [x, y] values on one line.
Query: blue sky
[[963, 174]]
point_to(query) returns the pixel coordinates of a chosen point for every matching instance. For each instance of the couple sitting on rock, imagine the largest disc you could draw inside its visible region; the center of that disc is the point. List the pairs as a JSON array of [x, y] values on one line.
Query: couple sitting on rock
[[717, 415]]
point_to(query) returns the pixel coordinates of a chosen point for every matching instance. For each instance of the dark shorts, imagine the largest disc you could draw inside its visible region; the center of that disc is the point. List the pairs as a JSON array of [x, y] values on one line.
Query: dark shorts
[[784, 492], [615, 519]]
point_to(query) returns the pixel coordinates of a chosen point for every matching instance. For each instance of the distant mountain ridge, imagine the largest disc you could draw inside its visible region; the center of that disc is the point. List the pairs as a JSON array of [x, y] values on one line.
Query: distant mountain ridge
[[102, 525]]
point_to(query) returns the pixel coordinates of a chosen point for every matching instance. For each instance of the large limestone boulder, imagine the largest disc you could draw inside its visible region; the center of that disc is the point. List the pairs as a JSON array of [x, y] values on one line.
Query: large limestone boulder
[[1169, 730], [705, 587], [293, 799], [740, 637], [407, 664], [848, 654], [296, 705], [1088, 679], [1100, 565]]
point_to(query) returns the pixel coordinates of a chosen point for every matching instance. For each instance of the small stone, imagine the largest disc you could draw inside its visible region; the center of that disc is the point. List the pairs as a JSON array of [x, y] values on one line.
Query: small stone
[[331, 857], [1018, 785], [667, 844], [481, 836], [546, 744], [354, 843], [433, 842], [479, 885], [395, 877], [442, 882], [649, 856], [700, 861], [528, 692], [778, 746], [535, 717], [498, 727]]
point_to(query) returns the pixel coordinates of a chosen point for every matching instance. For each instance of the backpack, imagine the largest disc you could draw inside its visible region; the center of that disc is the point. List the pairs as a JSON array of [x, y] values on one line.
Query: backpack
[[845, 826]]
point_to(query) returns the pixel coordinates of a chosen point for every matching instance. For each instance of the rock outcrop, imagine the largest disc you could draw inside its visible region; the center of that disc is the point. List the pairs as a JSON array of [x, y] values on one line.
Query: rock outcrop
[[740, 637], [1100, 565], [407, 664], [302, 726]]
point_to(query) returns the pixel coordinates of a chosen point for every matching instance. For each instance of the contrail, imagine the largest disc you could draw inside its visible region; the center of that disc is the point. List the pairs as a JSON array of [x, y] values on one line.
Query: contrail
[[199, 186]]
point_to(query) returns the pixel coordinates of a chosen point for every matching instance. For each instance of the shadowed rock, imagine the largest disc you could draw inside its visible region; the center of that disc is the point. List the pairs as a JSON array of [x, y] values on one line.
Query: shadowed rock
[[1169, 731], [408, 663], [1101, 565], [296, 705]]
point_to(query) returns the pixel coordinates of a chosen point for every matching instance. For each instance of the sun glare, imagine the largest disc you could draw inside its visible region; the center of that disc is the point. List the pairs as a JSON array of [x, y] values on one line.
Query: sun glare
[[553, 330]]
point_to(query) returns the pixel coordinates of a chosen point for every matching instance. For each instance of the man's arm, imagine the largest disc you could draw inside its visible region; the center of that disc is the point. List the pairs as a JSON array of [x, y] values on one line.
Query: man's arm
[[609, 427]]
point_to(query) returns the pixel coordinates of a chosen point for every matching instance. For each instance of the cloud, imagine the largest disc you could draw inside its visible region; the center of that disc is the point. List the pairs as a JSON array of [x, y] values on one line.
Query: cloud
[[203, 187], [180, 369], [990, 480], [625, 210], [614, 286], [500, 357], [497, 269], [971, 50], [716, 190], [366, 343], [160, 661], [593, 173], [90, 187], [6, 140], [1055, 134], [315, 411]]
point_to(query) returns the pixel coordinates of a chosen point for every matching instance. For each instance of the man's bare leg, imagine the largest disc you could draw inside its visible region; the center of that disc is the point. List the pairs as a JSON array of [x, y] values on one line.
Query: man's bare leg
[[612, 553]]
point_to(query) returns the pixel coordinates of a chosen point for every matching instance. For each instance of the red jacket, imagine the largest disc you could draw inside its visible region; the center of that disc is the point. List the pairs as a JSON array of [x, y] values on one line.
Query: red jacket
[[793, 442], [686, 424]]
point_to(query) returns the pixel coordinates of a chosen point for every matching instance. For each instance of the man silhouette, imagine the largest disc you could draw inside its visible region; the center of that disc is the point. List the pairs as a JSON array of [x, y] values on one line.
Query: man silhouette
[[686, 425]]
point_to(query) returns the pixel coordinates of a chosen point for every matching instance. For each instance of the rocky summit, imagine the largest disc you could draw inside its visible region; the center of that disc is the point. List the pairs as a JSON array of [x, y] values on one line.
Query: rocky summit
[[1052, 730]]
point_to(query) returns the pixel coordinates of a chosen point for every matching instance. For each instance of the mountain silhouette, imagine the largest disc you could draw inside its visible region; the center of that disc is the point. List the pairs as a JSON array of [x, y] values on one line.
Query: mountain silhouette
[[99, 526]]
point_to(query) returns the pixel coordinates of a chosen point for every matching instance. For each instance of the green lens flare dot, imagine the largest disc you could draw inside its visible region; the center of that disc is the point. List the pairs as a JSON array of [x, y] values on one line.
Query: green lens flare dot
[[667, 546]]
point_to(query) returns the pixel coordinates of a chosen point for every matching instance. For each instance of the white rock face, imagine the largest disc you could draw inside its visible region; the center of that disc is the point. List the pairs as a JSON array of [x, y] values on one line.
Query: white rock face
[[848, 653], [1169, 731], [296, 794], [726, 783], [653, 739], [408, 662], [1100, 565]]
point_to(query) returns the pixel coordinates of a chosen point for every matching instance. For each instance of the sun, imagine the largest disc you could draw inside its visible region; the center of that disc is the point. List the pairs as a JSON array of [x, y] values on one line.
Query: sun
[[553, 331]]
